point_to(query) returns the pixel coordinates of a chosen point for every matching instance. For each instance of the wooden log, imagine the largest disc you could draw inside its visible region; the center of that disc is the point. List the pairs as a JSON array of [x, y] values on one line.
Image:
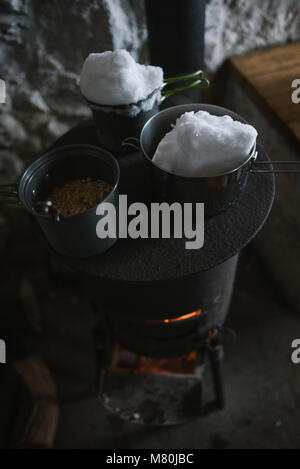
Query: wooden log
[[38, 413]]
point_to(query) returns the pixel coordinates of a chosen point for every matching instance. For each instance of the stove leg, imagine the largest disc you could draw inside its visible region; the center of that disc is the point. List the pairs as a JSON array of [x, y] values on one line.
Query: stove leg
[[216, 354]]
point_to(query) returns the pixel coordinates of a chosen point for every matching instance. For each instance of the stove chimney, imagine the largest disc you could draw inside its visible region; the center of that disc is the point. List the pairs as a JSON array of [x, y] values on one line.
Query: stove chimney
[[176, 37]]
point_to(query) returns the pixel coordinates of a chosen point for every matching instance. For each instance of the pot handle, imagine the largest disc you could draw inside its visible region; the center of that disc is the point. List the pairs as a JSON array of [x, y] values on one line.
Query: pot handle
[[252, 168], [47, 207], [193, 80], [131, 142]]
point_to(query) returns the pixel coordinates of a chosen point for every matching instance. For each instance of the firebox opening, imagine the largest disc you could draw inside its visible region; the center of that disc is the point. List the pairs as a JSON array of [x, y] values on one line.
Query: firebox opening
[[125, 360]]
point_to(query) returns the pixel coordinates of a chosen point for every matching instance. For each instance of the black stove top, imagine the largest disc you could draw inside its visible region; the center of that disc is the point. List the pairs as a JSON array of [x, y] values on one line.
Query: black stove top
[[160, 259]]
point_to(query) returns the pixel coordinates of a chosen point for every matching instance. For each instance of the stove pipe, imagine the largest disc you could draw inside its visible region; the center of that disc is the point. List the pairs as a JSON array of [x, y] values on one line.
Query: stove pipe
[[176, 36]]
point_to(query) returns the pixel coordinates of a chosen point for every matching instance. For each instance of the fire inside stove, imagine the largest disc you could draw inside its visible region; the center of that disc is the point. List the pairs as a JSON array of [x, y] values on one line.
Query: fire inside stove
[[163, 391], [125, 360], [194, 314]]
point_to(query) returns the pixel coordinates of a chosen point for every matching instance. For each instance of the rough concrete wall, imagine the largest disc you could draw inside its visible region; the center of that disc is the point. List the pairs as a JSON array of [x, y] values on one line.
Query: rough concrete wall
[[42, 48], [43, 45], [236, 26]]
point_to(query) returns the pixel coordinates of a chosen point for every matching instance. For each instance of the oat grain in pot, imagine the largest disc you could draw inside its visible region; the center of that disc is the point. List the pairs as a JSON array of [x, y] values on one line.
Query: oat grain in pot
[[79, 195]]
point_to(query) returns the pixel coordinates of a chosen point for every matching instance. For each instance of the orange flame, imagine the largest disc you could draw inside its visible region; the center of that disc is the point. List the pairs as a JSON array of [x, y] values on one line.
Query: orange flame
[[180, 318], [124, 360]]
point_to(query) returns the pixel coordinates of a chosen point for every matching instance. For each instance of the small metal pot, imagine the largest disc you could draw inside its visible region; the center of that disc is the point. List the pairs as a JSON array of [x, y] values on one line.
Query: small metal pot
[[218, 192], [114, 123], [70, 235]]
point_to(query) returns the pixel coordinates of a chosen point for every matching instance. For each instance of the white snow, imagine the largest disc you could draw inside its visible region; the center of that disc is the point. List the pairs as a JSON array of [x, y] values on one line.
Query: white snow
[[114, 78], [202, 144]]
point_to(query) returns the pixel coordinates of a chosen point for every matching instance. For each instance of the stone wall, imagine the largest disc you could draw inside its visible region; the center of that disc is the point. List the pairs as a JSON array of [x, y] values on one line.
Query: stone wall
[[236, 26], [43, 45], [42, 48]]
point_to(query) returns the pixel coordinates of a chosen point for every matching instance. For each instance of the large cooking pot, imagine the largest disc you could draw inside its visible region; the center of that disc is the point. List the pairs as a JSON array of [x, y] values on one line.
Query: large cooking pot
[[218, 191]]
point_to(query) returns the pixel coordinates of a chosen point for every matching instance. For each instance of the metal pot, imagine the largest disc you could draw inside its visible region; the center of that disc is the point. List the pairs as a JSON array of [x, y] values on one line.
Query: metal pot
[[70, 235], [218, 192], [114, 123]]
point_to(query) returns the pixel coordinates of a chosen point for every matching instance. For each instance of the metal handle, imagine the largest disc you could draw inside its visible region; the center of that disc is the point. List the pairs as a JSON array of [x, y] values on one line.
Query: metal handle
[[196, 80], [47, 208], [131, 142], [253, 170]]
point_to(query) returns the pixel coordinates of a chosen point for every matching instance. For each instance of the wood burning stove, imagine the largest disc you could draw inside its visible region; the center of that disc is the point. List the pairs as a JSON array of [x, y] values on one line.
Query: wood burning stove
[[162, 308], [168, 318], [152, 370]]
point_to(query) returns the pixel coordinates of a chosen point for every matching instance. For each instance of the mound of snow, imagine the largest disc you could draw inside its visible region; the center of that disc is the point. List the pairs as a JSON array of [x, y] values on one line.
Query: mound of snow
[[114, 78], [201, 144]]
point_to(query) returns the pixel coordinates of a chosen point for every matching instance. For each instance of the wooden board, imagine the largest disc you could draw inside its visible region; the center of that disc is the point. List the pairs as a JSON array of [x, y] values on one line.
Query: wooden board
[[266, 75]]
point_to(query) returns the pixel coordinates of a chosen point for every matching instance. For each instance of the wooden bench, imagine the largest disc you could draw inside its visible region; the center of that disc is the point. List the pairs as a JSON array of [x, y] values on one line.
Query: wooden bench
[[259, 87], [266, 76]]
